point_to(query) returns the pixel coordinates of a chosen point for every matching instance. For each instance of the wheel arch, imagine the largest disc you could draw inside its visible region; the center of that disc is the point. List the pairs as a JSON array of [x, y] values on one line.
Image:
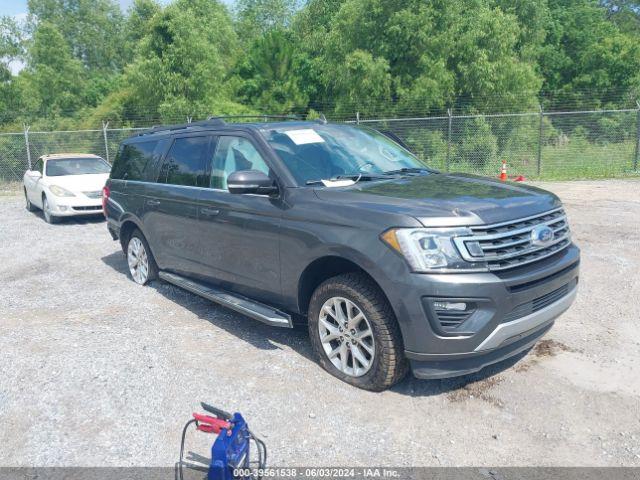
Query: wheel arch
[[322, 269], [127, 226]]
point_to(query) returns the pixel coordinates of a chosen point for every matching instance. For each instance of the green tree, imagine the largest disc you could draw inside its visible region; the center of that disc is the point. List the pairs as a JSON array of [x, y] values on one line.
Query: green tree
[[270, 83], [53, 75], [92, 28], [138, 23], [184, 62], [257, 17], [11, 50]]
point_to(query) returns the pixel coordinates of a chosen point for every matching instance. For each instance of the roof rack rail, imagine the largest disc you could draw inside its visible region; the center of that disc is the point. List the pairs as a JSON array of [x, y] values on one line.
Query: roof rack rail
[[181, 126], [265, 117], [213, 120]]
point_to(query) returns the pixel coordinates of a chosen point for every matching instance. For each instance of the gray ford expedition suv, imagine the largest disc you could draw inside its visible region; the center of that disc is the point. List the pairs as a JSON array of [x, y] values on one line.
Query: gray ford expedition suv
[[394, 265]]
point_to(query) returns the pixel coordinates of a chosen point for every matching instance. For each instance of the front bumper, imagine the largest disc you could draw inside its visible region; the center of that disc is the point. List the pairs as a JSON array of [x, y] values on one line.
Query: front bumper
[[502, 328], [74, 206], [446, 366]]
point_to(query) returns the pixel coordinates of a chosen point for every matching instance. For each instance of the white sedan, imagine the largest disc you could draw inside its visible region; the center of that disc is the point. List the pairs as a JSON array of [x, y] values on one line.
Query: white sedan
[[65, 185]]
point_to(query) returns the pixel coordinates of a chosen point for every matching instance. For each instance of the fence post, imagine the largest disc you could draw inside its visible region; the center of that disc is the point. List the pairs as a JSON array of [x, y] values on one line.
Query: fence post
[[357, 118], [539, 163], [26, 141], [635, 159], [105, 125], [449, 114]]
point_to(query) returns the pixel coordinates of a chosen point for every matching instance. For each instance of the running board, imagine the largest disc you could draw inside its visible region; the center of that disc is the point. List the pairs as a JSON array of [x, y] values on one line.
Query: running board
[[240, 304]]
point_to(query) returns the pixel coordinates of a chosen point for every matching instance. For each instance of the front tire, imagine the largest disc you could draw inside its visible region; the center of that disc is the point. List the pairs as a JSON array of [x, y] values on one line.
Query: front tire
[[142, 266], [30, 207], [46, 210], [355, 334]]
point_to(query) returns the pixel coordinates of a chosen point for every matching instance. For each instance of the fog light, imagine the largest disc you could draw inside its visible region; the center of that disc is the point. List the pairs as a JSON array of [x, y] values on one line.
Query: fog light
[[62, 208], [458, 306]]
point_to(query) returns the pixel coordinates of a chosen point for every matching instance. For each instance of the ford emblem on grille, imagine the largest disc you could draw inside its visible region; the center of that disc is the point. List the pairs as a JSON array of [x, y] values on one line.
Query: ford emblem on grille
[[541, 236]]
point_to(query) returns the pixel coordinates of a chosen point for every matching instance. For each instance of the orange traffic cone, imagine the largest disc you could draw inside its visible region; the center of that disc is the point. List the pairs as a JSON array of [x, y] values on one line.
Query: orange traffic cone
[[503, 171]]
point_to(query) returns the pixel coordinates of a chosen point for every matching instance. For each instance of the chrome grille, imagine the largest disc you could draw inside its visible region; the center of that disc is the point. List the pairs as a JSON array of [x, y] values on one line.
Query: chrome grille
[[509, 244]]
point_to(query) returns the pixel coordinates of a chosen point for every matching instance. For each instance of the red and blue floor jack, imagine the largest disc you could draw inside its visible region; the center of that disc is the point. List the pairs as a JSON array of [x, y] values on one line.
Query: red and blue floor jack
[[231, 450]]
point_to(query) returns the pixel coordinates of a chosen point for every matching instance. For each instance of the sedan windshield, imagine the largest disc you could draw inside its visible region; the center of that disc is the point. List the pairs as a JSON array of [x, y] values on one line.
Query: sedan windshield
[[322, 152], [76, 166]]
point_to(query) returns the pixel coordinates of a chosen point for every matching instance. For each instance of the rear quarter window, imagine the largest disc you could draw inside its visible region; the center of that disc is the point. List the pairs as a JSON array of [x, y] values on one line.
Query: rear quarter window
[[132, 160]]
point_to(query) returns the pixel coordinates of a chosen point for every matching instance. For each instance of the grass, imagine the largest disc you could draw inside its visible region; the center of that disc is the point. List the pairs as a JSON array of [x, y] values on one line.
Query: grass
[[579, 160]]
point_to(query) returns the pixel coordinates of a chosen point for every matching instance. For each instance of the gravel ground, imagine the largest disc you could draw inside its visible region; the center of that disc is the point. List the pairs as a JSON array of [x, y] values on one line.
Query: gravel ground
[[96, 370]]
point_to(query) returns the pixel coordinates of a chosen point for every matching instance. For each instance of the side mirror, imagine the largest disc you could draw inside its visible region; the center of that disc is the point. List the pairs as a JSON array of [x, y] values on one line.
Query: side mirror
[[251, 181], [35, 174]]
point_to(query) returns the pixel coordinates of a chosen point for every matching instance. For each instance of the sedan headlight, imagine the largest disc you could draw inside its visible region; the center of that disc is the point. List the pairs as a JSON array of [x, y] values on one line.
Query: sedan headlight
[[60, 192], [430, 250]]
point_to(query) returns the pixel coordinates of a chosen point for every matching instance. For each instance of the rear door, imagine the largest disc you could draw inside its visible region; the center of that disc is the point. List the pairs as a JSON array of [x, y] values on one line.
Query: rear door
[[171, 204], [132, 170], [239, 234]]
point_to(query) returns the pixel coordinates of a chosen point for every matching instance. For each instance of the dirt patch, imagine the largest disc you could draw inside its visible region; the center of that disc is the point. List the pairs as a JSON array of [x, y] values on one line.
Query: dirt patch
[[479, 389], [545, 348], [550, 348]]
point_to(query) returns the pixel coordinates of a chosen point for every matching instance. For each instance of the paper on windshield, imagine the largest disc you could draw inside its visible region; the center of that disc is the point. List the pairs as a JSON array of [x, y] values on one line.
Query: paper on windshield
[[304, 136], [338, 183]]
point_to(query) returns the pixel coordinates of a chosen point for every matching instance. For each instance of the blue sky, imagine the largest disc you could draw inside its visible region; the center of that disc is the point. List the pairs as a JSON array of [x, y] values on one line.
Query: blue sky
[[17, 7]]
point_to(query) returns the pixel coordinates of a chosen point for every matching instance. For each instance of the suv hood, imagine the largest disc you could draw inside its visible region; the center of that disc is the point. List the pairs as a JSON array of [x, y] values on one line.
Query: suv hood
[[446, 199]]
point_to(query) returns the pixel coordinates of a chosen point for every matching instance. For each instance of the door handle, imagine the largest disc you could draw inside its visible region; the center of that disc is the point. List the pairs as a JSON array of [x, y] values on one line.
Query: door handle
[[209, 212], [153, 203]]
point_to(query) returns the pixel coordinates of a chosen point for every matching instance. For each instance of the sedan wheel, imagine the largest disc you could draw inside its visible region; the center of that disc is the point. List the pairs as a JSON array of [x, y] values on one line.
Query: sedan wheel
[[28, 203], [138, 261], [346, 336], [46, 210]]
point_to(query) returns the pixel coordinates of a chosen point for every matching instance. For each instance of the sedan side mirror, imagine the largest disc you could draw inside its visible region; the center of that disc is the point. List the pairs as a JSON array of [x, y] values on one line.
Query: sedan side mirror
[[35, 174], [251, 181]]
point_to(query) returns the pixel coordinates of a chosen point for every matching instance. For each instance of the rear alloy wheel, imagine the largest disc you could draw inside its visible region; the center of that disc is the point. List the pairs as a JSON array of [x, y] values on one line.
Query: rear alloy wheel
[[142, 266], [355, 334], [28, 203], [46, 210]]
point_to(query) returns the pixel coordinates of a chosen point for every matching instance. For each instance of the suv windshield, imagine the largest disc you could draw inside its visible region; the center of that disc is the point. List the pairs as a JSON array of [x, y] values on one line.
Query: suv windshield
[[76, 166], [321, 152]]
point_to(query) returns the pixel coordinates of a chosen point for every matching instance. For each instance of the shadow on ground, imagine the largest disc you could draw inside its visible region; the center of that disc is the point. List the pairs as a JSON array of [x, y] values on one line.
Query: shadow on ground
[[79, 220], [265, 337]]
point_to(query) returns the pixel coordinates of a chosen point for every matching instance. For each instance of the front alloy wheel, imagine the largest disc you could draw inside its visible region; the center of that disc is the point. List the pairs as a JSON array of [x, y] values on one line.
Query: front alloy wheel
[[138, 261], [355, 334], [46, 210], [346, 336]]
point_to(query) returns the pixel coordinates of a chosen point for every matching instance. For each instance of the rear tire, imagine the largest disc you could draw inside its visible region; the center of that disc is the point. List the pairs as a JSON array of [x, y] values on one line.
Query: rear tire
[[30, 207], [142, 265], [350, 316], [46, 210]]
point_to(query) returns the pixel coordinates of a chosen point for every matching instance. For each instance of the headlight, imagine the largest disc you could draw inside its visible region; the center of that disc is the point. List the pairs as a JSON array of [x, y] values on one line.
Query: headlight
[[430, 249], [60, 192]]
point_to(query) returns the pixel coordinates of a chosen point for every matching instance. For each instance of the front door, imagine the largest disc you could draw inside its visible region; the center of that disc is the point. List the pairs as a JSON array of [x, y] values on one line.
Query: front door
[[171, 204], [33, 185], [240, 233]]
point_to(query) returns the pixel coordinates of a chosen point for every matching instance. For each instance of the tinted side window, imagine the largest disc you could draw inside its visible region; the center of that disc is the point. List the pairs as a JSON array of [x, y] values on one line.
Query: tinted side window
[[39, 166], [185, 162], [132, 159], [233, 154]]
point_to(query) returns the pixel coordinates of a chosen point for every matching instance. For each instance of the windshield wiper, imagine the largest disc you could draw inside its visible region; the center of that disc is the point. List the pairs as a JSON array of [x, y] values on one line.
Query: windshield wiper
[[407, 170], [357, 177]]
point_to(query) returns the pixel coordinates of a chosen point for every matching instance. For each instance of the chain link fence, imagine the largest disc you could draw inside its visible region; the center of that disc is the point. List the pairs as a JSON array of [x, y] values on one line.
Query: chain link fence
[[537, 145]]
